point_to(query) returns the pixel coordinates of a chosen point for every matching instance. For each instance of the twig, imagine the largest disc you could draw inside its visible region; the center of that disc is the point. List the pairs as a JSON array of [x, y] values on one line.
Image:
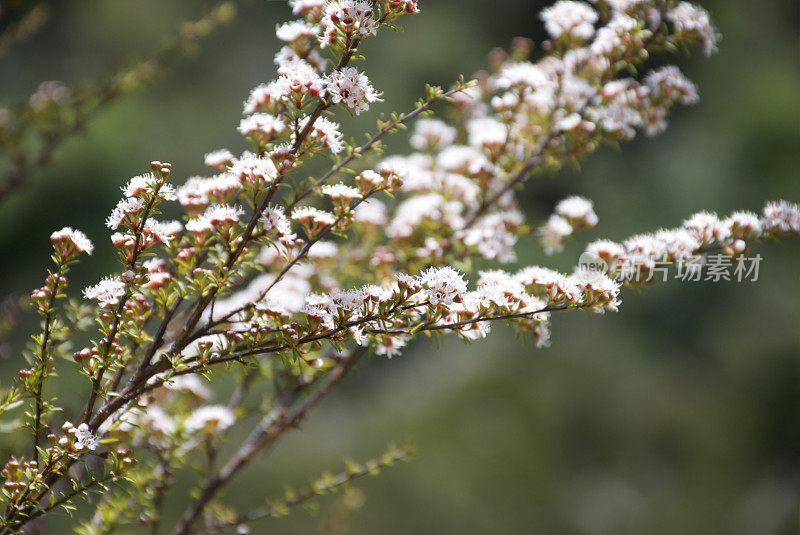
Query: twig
[[266, 433]]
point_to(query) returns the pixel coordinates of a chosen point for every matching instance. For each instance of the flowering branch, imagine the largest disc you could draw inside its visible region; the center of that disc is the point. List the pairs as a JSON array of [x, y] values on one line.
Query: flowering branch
[[291, 290]]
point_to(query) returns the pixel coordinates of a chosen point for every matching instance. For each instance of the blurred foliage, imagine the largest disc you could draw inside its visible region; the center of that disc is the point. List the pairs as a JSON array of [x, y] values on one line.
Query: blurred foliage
[[677, 415]]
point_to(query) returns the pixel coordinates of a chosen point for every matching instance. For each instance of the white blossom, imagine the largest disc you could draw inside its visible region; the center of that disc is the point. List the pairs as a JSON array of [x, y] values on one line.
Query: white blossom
[[694, 19], [84, 439], [442, 285], [432, 134], [671, 84], [150, 185], [262, 123], [782, 217], [487, 132], [106, 292], [349, 15], [210, 418], [352, 88], [553, 232], [253, 169], [340, 192], [327, 132], [303, 7], [219, 158], [571, 18], [75, 240], [578, 211], [311, 214], [130, 206], [296, 30], [371, 212]]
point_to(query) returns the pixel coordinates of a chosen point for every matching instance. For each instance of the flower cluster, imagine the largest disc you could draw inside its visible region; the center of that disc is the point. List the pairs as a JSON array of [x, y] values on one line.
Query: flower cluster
[[634, 260], [352, 88], [288, 274], [571, 215], [68, 242]]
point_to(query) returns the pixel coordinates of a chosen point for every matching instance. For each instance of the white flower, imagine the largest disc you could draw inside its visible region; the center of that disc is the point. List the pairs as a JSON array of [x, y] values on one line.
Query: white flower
[[548, 283], [491, 236], [106, 292], [191, 384], [219, 158], [707, 227], [319, 313], [680, 244], [216, 215], [390, 346], [274, 218], [624, 5], [199, 225], [522, 73], [84, 439], [296, 30], [323, 250], [744, 224], [463, 159], [782, 216], [670, 83], [614, 36], [222, 213], [410, 213], [487, 132], [303, 7], [694, 19], [578, 211], [125, 212], [569, 123], [443, 285], [327, 132], [156, 420], [262, 123], [340, 192], [351, 16], [571, 18], [351, 88], [645, 247], [308, 214], [432, 134], [197, 191], [71, 240], [149, 184], [210, 419], [251, 168], [612, 253], [575, 92], [371, 212], [553, 232], [264, 95], [369, 179], [298, 77], [163, 232], [261, 95], [600, 292], [620, 114], [348, 300]]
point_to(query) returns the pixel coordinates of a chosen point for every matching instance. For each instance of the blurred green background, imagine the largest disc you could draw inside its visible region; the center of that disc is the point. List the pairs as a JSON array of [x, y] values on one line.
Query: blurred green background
[[679, 414]]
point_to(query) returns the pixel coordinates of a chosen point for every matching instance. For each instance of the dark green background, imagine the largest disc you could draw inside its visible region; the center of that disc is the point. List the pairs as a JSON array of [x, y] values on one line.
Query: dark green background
[[679, 414]]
